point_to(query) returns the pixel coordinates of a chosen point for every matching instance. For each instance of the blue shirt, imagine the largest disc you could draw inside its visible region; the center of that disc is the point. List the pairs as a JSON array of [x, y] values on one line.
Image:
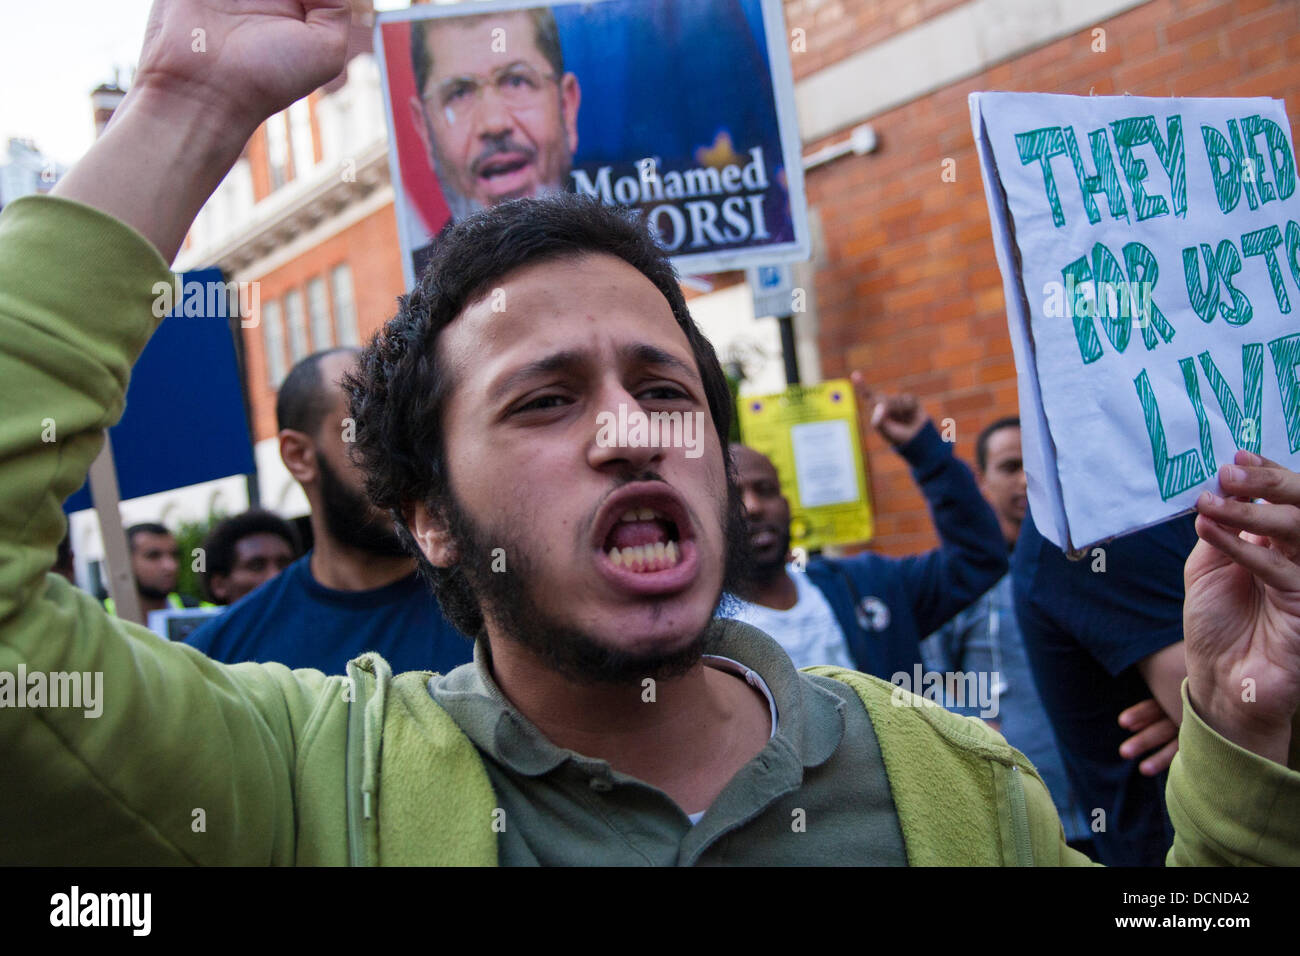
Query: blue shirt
[[296, 621], [985, 640], [1084, 630], [885, 605]]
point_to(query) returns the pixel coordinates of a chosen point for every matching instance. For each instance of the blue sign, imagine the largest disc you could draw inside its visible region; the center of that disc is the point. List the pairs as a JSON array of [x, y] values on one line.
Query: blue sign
[[184, 421]]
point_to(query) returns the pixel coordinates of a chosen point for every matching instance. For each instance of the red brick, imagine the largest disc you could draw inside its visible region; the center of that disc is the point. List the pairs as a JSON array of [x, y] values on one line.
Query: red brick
[[369, 247], [1207, 81], [1153, 74], [1184, 28]]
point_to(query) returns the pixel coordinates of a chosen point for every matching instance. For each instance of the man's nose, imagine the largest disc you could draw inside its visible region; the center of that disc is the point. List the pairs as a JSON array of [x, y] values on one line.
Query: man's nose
[[615, 437], [494, 117], [753, 504]]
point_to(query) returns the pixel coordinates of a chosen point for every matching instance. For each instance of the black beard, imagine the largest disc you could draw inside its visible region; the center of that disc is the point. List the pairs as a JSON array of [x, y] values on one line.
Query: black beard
[[574, 653], [765, 571], [346, 512], [150, 592]]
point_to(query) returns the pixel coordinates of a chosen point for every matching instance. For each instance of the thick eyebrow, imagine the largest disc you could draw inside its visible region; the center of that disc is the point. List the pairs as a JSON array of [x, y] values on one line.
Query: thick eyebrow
[[653, 355], [570, 360], [460, 77], [566, 360]]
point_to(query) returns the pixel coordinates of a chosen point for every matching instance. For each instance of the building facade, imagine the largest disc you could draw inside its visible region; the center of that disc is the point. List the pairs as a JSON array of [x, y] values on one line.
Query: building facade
[[903, 283]]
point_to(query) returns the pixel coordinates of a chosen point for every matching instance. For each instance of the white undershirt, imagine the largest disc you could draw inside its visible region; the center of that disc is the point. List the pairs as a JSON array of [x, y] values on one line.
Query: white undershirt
[[809, 632], [754, 680]]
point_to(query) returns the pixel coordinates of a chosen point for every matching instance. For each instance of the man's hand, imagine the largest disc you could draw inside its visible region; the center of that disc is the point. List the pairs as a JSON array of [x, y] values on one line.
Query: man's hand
[[897, 417], [245, 60], [1154, 734], [210, 72], [1241, 614]]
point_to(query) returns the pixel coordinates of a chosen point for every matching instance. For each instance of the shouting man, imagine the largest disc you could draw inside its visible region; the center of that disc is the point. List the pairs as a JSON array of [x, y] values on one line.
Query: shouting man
[[606, 717]]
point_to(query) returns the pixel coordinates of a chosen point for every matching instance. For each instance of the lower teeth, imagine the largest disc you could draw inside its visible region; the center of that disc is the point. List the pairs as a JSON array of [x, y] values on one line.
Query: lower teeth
[[647, 557]]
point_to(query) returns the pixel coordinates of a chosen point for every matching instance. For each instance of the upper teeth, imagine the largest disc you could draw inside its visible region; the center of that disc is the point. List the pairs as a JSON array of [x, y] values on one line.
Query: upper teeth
[[642, 514]]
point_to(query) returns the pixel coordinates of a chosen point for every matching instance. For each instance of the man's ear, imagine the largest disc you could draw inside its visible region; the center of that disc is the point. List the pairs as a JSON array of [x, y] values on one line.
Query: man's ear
[[429, 528], [298, 452], [570, 99]]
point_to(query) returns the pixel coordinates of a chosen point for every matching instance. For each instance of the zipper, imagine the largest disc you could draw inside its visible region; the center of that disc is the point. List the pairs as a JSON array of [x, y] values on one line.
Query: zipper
[[357, 800], [1020, 818]]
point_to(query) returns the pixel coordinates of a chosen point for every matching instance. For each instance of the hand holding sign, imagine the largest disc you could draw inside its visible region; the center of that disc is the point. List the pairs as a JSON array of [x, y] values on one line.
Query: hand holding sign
[[1241, 614], [898, 418]]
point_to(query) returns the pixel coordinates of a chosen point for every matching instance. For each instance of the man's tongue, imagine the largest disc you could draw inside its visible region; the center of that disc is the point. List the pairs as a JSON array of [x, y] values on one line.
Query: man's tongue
[[633, 534]]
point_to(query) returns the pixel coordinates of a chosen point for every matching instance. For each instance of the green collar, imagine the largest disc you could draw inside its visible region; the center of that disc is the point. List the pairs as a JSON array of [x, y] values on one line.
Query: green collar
[[810, 728]]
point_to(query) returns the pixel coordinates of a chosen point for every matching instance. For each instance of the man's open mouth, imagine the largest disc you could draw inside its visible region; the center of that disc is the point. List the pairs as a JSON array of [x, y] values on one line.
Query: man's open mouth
[[645, 540], [503, 165]]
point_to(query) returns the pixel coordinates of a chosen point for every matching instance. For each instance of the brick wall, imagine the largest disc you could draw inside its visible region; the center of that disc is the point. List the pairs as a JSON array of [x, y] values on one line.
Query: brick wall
[[833, 29], [368, 247], [909, 290]]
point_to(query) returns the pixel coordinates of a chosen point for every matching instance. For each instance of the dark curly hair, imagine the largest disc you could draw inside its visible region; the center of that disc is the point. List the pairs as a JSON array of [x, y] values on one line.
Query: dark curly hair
[[398, 390]]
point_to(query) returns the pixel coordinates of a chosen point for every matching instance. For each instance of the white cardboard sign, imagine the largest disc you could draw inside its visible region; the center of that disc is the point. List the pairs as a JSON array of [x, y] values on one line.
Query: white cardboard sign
[[1150, 254]]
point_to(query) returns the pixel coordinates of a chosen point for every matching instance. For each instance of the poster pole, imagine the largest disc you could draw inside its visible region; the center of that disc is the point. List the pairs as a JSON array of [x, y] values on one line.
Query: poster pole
[[786, 322], [104, 492]]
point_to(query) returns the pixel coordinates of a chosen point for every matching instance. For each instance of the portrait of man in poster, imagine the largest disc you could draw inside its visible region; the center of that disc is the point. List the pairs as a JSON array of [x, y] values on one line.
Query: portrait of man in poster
[[666, 106], [494, 108]]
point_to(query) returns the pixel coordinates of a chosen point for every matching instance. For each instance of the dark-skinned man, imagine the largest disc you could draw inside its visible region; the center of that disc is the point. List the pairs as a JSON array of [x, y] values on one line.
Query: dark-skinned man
[[551, 747], [869, 612], [245, 551], [155, 565], [357, 589]]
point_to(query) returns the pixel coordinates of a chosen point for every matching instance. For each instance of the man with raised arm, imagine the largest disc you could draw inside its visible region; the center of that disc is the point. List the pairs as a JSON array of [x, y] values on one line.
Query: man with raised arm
[[606, 718]]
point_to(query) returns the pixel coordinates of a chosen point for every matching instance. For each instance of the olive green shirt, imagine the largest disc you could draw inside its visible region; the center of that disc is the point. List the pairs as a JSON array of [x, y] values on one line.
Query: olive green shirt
[[816, 794]]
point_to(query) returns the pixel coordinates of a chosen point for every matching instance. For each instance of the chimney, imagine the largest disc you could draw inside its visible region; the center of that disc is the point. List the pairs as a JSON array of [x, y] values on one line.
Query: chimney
[[105, 99]]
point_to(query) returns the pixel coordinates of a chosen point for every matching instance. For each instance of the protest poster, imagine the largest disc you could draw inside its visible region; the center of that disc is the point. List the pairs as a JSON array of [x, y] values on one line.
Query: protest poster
[[184, 421], [1150, 254], [682, 109], [810, 434]]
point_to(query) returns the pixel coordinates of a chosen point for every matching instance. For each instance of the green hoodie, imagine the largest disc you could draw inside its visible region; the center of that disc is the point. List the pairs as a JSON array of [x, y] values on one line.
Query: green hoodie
[[193, 761]]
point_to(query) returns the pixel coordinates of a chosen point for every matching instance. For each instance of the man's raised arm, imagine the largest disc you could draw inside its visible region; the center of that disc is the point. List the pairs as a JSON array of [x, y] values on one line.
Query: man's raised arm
[[972, 556], [156, 732], [210, 72]]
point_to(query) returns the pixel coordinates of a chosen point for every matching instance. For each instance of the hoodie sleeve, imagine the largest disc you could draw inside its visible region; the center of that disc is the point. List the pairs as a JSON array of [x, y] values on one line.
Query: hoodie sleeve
[[1231, 807], [169, 757]]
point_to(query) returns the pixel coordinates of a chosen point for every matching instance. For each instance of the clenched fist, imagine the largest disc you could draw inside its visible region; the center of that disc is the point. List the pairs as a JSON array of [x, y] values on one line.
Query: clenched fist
[[252, 57], [898, 418]]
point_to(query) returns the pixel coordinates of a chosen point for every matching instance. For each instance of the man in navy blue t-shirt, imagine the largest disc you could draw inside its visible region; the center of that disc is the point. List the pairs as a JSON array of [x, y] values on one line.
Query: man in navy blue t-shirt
[[357, 589], [1103, 633]]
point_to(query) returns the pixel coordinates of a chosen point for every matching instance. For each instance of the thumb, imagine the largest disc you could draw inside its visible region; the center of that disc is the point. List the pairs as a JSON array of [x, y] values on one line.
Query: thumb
[[1204, 558]]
